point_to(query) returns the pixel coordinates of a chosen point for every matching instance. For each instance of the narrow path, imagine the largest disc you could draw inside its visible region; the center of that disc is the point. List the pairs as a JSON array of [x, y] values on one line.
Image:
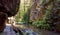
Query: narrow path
[[41, 32]]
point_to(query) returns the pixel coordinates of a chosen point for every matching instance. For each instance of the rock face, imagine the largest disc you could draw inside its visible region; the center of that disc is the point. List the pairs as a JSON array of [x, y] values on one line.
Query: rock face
[[35, 11], [39, 9], [57, 9], [9, 6]]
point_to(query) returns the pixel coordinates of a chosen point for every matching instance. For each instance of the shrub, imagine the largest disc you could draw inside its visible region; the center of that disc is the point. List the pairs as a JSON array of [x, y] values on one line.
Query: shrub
[[41, 24]]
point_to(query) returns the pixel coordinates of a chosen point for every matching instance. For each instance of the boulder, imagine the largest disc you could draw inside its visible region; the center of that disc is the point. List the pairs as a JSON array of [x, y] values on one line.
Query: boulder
[[10, 7]]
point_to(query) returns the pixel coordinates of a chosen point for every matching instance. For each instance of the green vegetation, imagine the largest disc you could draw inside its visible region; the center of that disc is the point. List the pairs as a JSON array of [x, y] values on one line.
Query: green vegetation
[[41, 24], [26, 16], [23, 14], [48, 17]]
